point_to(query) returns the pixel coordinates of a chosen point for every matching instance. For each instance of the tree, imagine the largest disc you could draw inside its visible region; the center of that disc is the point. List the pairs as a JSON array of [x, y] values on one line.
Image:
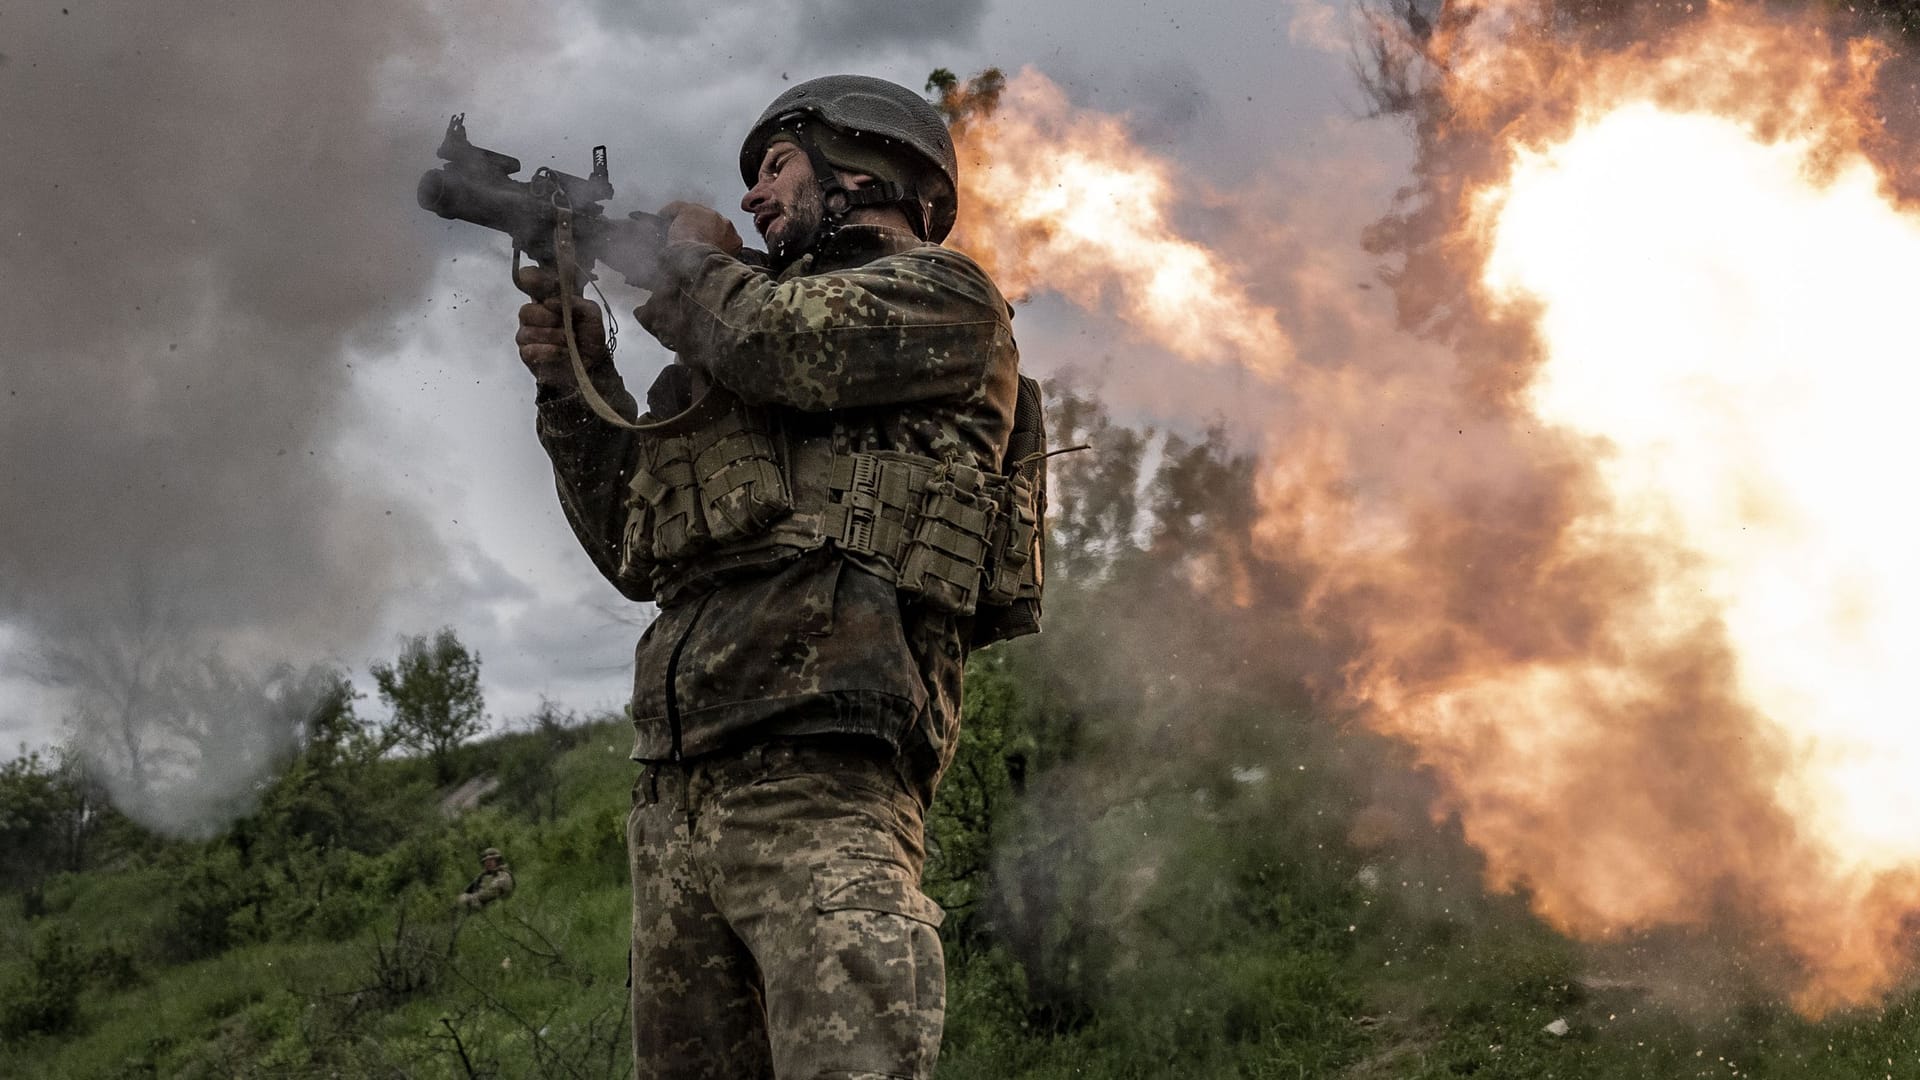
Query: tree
[[321, 797], [43, 820], [113, 667], [433, 689], [180, 737]]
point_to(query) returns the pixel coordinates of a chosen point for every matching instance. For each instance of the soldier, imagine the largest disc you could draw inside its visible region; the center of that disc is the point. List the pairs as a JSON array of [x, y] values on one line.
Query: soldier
[[494, 883], [810, 498]]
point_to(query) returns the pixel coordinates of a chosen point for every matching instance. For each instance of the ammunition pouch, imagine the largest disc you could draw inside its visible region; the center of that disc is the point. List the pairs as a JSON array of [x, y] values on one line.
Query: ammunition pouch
[[928, 523], [1015, 567], [1013, 564], [720, 482], [955, 538], [740, 468]]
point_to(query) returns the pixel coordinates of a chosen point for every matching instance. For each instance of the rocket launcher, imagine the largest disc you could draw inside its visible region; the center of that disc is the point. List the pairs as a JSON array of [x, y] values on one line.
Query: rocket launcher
[[544, 214]]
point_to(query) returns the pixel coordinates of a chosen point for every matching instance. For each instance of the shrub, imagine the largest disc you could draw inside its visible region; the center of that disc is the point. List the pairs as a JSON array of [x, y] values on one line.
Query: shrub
[[595, 837], [408, 964], [209, 893], [46, 1001]]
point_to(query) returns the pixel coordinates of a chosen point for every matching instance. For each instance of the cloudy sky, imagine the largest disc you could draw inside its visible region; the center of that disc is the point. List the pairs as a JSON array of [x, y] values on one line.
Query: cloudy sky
[[255, 401]]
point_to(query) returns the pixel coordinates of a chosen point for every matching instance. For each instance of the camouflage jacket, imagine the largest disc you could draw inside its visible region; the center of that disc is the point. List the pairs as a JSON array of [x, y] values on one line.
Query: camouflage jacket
[[491, 885], [878, 342]]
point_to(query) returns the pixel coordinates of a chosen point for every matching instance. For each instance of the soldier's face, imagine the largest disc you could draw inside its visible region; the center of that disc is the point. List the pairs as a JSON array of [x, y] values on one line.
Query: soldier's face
[[785, 200]]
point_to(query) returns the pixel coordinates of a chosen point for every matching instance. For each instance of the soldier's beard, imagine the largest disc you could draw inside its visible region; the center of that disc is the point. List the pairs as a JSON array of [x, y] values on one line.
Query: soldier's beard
[[797, 227]]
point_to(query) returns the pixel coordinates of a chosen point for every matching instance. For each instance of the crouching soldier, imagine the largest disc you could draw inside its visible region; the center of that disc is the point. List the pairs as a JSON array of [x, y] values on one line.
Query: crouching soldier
[[495, 881]]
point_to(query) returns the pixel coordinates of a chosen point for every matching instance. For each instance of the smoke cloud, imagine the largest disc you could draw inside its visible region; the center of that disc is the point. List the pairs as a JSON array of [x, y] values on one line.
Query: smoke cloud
[[208, 221]]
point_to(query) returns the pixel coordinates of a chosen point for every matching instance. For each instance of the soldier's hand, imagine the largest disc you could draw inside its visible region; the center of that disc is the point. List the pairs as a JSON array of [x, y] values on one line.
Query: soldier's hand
[[692, 223], [664, 315], [543, 339]]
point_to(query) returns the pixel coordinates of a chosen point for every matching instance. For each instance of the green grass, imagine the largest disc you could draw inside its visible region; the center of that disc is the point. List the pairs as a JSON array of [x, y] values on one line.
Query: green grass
[[1171, 936]]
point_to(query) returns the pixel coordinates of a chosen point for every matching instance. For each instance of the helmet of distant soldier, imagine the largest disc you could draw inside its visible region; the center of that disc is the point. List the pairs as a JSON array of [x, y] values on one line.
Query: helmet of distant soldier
[[491, 853], [873, 122]]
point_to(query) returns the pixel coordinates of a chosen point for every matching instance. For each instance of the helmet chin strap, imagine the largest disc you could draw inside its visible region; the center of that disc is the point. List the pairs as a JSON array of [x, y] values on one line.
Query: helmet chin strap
[[836, 199]]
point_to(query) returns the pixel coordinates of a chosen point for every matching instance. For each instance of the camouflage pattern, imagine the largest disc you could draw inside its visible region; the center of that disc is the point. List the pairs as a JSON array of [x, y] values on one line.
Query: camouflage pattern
[[794, 712], [491, 885], [778, 930], [876, 342]]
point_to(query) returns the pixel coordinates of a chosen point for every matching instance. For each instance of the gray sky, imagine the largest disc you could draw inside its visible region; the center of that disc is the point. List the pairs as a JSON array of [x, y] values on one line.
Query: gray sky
[[247, 376]]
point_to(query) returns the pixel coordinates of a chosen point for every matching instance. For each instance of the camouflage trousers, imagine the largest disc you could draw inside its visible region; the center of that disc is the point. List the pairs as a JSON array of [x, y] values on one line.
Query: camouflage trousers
[[779, 930]]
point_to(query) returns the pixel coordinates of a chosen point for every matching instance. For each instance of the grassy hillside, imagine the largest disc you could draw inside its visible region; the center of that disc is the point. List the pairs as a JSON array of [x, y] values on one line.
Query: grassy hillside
[[1149, 849], [1245, 943]]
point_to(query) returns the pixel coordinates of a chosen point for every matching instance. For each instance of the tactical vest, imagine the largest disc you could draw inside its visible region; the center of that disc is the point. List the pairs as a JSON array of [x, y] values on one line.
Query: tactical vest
[[722, 486]]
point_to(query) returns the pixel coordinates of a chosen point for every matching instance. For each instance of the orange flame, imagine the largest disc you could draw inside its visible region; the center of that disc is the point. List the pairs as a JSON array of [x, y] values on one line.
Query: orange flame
[[1677, 696], [1721, 193], [1629, 567], [1062, 198]]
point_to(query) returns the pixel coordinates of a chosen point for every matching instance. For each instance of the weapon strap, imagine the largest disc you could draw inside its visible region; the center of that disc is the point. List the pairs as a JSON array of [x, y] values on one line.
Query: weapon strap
[[711, 404]]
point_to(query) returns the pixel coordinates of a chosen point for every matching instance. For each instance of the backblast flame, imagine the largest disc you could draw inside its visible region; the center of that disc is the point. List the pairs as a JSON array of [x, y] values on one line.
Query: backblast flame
[[1062, 198], [1717, 293], [1630, 564], [1655, 652]]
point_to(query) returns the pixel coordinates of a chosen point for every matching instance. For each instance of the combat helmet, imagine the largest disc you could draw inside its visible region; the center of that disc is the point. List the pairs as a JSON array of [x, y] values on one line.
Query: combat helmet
[[492, 853], [875, 114]]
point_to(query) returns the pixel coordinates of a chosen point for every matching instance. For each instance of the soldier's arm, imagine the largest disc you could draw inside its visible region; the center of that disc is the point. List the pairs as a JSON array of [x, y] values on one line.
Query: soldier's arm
[[590, 456], [592, 463], [497, 886], [907, 327]]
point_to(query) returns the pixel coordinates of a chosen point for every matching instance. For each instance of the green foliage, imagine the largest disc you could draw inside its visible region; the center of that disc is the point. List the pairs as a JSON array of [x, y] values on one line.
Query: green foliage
[[961, 102], [976, 802], [210, 891], [54, 820], [42, 820], [594, 839], [408, 963], [526, 762], [1142, 844], [332, 826], [45, 1000], [433, 689]]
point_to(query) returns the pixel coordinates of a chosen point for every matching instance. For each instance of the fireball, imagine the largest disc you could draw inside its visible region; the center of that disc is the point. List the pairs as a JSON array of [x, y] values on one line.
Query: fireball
[[1062, 199], [1632, 568]]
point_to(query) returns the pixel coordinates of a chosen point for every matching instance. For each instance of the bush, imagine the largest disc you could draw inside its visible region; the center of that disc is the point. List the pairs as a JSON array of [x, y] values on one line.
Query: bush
[[595, 837], [340, 914], [210, 891], [409, 963], [46, 1001], [111, 968]]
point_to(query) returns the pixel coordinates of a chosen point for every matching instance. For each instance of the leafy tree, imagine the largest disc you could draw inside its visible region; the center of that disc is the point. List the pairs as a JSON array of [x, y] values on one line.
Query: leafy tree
[[1114, 788], [960, 101], [977, 802], [433, 688], [332, 735], [42, 820], [321, 798]]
